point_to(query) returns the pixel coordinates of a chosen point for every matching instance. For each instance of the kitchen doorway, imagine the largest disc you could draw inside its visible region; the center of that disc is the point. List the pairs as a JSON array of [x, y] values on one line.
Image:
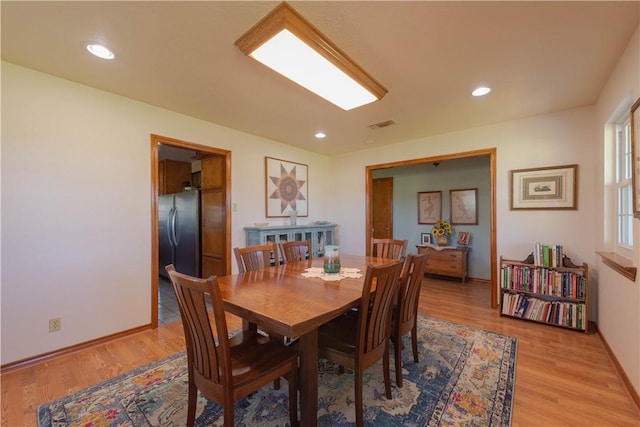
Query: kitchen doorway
[[208, 173]]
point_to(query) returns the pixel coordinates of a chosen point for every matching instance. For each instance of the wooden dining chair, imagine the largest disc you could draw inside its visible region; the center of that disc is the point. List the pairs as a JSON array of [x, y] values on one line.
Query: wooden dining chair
[[294, 251], [405, 311], [358, 342], [226, 369], [252, 258], [256, 257], [389, 248]]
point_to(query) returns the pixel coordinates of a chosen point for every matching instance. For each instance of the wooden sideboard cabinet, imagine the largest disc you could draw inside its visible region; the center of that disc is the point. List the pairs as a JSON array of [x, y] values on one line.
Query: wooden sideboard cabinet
[[318, 234], [447, 261]]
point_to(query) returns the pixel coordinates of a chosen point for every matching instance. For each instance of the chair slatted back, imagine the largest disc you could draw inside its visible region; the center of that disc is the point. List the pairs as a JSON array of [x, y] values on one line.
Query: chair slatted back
[[378, 294], [255, 257], [389, 248], [409, 291], [295, 251]]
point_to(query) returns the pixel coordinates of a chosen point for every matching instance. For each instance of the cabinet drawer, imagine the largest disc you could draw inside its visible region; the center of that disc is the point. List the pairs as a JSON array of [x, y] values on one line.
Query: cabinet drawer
[[442, 266], [444, 256]]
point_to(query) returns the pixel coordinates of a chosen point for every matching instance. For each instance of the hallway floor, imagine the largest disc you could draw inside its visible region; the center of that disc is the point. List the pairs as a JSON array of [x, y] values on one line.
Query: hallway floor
[[168, 311]]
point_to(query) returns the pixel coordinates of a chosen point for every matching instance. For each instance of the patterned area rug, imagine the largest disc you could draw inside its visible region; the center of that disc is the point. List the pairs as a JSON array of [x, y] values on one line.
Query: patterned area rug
[[465, 377]]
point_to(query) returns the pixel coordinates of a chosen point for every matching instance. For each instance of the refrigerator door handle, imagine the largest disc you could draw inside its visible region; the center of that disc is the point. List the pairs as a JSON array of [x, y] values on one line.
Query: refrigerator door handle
[[169, 231], [176, 227], [171, 227]]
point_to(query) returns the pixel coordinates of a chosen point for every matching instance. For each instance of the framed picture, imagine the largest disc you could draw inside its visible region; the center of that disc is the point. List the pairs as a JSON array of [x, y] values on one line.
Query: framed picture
[[635, 155], [464, 206], [463, 238], [429, 207], [425, 238], [545, 188], [286, 186]]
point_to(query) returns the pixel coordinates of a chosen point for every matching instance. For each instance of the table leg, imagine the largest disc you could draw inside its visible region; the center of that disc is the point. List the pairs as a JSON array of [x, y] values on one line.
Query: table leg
[[309, 379]]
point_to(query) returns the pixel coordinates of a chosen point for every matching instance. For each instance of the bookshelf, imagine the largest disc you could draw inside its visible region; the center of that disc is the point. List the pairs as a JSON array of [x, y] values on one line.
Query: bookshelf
[[547, 290]]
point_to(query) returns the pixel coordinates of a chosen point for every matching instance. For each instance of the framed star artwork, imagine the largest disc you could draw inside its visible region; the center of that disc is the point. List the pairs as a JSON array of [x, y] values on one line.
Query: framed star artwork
[[286, 188]]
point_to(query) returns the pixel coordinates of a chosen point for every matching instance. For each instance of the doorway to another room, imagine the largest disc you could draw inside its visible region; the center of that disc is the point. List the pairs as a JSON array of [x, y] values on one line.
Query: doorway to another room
[[190, 217], [409, 173]]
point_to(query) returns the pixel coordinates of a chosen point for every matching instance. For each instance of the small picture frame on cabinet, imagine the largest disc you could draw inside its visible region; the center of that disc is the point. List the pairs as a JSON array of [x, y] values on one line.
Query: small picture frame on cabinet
[[425, 238], [463, 238]]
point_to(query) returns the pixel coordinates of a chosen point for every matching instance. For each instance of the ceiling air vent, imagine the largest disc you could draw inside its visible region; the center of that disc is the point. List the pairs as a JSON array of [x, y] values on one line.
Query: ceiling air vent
[[382, 124]]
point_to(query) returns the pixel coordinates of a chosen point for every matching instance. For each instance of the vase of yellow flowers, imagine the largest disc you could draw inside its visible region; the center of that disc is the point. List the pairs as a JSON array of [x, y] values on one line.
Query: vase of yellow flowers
[[441, 231]]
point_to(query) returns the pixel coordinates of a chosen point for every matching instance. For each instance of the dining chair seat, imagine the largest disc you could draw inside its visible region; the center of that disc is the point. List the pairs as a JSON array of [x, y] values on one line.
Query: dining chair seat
[[340, 335]]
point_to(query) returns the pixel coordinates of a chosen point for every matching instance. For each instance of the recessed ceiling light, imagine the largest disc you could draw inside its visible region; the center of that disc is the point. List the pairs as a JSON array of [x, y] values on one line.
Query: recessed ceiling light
[[483, 90], [320, 135], [100, 51]]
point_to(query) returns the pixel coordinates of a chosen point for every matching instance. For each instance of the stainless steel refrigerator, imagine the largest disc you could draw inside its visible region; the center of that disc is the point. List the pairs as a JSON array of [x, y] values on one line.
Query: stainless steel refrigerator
[[179, 232]]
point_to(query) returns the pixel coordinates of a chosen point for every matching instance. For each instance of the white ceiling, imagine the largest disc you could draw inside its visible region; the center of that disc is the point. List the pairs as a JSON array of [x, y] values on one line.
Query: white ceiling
[[538, 57]]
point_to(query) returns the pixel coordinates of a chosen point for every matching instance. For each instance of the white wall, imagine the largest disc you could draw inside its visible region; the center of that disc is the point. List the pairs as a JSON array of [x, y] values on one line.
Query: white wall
[[76, 197], [618, 297], [556, 139]]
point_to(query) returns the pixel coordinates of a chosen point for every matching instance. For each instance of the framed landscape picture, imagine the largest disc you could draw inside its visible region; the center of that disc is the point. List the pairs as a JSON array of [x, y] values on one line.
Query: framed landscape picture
[[429, 207], [545, 188], [286, 188], [464, 206]]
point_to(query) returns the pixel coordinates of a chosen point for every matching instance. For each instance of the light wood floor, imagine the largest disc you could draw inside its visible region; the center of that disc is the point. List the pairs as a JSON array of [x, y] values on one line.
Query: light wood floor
[[563, 377]]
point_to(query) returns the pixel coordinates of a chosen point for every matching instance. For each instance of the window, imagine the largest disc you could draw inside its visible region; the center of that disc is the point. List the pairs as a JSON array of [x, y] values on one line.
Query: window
[[623, 185]]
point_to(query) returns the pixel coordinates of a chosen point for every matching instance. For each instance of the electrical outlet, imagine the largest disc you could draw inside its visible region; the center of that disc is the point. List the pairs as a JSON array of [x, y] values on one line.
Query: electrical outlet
[[55, 324]]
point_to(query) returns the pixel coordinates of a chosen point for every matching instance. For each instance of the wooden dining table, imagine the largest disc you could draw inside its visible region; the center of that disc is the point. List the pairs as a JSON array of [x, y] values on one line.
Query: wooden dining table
[[281, 300]]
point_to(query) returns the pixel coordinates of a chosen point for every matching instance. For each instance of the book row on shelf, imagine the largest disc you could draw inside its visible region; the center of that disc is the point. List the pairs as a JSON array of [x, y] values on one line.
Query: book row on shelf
[[546, 255], [561, 313], [544, 281]]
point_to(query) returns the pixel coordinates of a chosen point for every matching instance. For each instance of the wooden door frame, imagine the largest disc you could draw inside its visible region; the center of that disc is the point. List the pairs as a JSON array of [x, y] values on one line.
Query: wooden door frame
[[155, 140], [491, 152]]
